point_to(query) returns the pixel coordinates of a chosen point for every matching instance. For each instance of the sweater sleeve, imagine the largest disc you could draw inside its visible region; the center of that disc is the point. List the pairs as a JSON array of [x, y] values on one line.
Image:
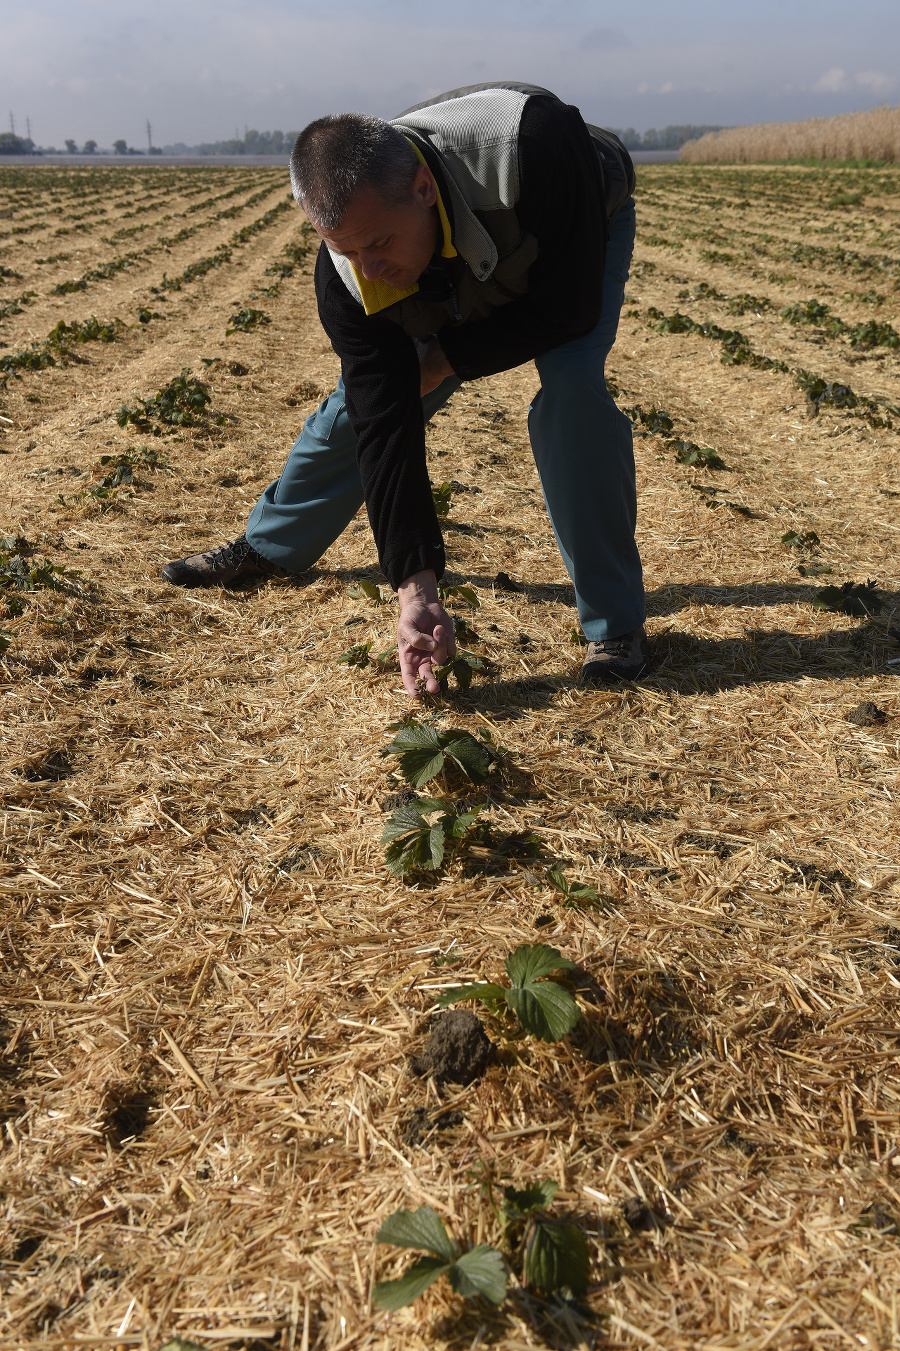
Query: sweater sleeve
[[380, 368], [561, 204]]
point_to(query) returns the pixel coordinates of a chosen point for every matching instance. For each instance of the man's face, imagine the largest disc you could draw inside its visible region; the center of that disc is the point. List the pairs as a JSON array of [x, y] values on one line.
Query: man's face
[[393, 244]]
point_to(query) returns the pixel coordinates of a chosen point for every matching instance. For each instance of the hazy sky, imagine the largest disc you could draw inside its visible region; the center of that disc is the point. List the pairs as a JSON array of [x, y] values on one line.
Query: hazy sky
[[198, 69]]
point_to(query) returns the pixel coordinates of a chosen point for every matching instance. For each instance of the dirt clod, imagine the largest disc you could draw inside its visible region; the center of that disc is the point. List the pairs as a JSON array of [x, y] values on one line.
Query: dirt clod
[[421, 1123], [866, 714], [457, 1049]]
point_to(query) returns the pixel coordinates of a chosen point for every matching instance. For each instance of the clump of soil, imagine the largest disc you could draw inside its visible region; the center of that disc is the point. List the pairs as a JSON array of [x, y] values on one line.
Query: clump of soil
[[421, 1123], [866, 714], [457, 1049], [640, 1217], [399, 799]]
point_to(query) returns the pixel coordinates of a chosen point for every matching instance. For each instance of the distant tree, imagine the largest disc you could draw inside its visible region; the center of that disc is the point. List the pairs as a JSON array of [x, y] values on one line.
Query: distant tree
[[12, 145], [120, 147], [90, 148], [154, 150], [669, 138], [71, 147]]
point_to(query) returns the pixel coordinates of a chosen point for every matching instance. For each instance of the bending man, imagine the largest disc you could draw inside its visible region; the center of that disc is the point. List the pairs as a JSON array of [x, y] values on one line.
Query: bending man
[[486, 228]]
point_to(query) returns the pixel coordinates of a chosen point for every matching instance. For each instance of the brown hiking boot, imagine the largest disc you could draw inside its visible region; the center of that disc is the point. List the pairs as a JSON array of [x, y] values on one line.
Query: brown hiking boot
[[228, 566], [624, 658]]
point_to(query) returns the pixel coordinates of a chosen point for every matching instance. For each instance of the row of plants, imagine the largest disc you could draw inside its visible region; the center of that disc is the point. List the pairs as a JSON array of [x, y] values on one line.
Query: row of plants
[[57, 347], [876, 411], [865, 335]]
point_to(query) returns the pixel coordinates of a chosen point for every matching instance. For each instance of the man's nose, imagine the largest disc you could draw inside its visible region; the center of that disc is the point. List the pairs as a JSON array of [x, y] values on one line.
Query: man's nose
[[373, 266]]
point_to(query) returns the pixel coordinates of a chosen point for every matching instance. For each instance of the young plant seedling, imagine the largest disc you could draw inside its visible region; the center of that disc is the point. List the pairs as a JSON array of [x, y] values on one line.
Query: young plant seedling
[[415, 843], [462, 667], [367, 589], [183, 402], [573, 894], [357, 655], [246, 320], [479, 1271], [556, 1254], [542, 1006], [853, 598], [423, 752], [687, 453], [800, 539], [446, 592], [443, 497]]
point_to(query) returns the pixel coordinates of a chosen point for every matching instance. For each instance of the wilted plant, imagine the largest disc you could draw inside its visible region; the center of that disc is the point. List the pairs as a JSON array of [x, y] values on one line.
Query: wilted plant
[[357, 655], [479, 1271], [800, 539], [448, 591], [542, 1006]]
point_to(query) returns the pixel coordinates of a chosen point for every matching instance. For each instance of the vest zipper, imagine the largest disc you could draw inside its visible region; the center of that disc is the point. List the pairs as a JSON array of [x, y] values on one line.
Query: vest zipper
[[456, 314]]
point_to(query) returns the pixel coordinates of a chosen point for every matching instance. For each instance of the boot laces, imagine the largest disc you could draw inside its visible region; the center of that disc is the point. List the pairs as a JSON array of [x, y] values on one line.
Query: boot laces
[[230, 555]]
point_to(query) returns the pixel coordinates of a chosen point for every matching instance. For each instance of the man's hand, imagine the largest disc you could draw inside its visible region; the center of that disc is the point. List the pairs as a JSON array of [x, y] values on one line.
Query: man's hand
[[424, 632], [433, 365]]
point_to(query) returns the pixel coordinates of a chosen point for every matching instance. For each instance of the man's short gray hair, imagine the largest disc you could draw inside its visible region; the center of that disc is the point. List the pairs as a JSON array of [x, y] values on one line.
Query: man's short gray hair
[[336, 156]]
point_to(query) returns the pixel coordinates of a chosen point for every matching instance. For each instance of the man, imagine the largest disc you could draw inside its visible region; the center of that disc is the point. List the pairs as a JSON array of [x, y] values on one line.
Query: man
[[486, 228]]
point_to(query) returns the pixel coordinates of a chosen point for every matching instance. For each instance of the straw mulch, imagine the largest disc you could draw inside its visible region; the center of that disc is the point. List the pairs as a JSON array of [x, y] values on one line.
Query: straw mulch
[[212, 985], [870, 135]]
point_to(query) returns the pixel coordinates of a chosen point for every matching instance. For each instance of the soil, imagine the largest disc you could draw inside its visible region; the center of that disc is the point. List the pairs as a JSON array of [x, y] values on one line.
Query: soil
[[866, 714], [457, 1050], [421, 1124]]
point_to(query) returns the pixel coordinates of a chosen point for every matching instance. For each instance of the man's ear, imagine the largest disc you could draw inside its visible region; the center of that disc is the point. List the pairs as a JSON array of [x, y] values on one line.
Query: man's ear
[[424, 186]]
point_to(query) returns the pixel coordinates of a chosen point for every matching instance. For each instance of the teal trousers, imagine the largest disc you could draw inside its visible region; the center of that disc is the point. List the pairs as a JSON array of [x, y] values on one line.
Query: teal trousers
[[582, 447]]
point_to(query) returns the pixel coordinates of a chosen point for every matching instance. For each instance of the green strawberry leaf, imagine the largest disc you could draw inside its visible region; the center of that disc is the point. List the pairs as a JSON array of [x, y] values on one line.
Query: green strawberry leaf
[[557, 1257], [532, 960], [458, 993], [519, 1202], [422, 1228], [397, 1294], [545, 1009], [480, 1271]]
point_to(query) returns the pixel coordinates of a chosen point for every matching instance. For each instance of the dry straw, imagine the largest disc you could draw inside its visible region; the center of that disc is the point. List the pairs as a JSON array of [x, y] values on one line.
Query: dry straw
[[212, 984], [872, 135]]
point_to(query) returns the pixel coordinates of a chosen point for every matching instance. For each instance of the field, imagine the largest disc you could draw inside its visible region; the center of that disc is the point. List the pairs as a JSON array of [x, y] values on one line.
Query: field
[[213, 984], [871, 135]]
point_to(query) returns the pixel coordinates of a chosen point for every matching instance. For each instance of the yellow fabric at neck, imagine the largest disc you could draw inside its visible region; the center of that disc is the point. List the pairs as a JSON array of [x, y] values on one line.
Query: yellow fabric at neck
[[377, 295]]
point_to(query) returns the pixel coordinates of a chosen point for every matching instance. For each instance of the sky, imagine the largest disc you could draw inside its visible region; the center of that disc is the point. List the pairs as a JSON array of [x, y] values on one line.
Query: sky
[[199, 70]]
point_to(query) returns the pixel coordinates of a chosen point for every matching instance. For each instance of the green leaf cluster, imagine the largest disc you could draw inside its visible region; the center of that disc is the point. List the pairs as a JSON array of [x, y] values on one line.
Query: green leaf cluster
[[543, 1007], [357, 655], [556, 1255], [468, 594], [246, 320], [183, 402], [442, 497], [462, 667], [573, 894], [423, 752], [686, 452], [655, 421], [852, 598], [21, 573], [368, 590], [479, 1271], [800, 539], [415, 843]]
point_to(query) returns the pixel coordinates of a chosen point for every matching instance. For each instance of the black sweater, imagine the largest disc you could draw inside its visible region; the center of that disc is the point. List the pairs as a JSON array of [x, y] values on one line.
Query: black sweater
[[560, 203]]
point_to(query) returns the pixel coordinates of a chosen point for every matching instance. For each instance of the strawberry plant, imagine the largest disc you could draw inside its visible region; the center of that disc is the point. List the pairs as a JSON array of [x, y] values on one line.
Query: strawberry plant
[[462, 667], [542, 1006], [573, 894], [183, 402], [367, 589], [442, 497], [852, 598], [21, 571], [357, 655], [800, 539], [246, 320], [873, 334], [423, 752], [468, 594], [415, 843], [479, 1271], [556, 1256], [686, 452]]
